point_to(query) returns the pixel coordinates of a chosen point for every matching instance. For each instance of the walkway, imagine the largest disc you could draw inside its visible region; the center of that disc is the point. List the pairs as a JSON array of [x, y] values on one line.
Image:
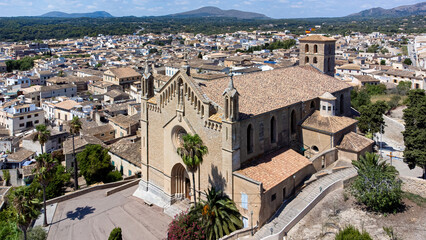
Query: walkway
[[294, 207], [93, 216]]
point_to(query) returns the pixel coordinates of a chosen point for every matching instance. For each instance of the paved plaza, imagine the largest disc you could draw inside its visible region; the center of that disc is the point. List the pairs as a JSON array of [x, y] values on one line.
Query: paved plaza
[[93, 216]]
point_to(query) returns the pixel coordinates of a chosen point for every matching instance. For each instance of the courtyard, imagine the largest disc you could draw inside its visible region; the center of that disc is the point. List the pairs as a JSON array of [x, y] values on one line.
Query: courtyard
[[93, 216]]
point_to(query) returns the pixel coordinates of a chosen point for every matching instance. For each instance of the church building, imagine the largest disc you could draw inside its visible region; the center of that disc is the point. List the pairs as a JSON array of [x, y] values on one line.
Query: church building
[[258, 128]]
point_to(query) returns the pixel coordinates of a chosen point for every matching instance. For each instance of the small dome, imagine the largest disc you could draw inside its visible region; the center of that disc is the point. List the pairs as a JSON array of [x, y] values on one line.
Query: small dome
[[327, 96]]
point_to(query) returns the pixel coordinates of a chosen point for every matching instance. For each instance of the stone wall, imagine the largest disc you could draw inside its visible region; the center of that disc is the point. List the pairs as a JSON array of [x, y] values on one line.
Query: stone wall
[[414, 185]]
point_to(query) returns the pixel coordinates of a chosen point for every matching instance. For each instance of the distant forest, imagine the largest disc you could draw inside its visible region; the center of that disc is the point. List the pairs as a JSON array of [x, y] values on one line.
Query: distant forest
[[37, 28]]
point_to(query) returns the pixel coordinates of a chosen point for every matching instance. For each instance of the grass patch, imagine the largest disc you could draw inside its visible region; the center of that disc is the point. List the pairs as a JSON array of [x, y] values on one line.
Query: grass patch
[[386, 98], [419, 200]]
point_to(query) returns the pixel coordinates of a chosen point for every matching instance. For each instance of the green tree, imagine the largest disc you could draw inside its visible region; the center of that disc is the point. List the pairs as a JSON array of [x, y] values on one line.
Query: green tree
[[359, 98], [42, 135], [95, 163], [376, 185], [394, 102], [383, 62], [115, 234], [75, 127], [25, 204], [218, 213], [192, 152], [407, 61], [44, 174], [403, 87], [373, 48], [200, 55], [415, 130], [375, 89], [371, 117], [351, 233]]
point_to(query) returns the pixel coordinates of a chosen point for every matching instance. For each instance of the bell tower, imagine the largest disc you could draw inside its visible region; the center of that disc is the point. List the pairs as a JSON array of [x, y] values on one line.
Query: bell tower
[[318, 51]]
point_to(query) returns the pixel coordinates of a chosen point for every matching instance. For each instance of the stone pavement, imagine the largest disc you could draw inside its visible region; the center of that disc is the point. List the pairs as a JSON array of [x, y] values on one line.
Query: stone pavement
[[295, 206], [50, 209], [93, 216]]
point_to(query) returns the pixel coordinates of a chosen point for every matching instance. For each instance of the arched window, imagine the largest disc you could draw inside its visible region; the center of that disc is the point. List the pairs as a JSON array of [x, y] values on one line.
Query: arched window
[[293, 122], [273, 130], [315, 60], [315, 48], [315, 148], [312, 105], [306, 48], [306, 60], [249, 139], [342, 104]]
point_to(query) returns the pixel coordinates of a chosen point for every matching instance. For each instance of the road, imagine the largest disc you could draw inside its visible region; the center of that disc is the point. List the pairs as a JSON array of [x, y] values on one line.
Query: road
[[393, 141]]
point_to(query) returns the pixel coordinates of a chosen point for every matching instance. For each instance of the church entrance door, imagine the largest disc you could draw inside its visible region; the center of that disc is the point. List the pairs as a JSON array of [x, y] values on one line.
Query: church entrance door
[[179, 182]]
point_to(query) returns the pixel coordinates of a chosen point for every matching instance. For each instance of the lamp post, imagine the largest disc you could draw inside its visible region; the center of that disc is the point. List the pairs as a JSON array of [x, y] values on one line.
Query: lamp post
[[294, 184], [251, 221]]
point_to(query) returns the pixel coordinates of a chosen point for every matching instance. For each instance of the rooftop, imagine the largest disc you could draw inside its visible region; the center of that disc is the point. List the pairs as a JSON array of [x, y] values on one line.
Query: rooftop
[[273, 168], [331, 124], [354, 142], [274, 89]]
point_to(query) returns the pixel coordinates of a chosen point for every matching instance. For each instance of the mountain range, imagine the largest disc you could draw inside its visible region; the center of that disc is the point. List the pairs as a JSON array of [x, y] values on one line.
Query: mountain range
[[57, 14], [217, 12], [401, 11]]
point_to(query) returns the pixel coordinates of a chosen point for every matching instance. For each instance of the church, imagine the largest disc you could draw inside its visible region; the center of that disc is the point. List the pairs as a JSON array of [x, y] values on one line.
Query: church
[[262, 131]]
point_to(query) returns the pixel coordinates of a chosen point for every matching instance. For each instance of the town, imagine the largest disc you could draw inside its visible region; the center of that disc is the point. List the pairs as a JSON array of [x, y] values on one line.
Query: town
[[136, 134]]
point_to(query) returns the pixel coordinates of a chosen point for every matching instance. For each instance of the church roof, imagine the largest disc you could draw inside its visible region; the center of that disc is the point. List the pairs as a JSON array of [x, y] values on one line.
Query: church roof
[[354, 142], [275, 167], [269, 90], [318, 38], [331, 124]]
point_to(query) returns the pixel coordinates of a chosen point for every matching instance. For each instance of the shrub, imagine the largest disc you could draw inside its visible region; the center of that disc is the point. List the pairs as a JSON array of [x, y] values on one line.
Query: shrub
[[185, 226], [375, 89], [351, 233], [113, 176], [37, 233], [6, 176], [376, 185], [115, 234]]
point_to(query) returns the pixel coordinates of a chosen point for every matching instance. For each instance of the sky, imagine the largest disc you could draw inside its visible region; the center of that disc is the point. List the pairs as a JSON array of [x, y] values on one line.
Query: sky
[[271, 8]]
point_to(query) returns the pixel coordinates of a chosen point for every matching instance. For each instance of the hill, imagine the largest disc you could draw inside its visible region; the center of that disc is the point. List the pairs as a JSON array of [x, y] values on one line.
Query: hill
[[401, 11], [217, 12], [57, 14]]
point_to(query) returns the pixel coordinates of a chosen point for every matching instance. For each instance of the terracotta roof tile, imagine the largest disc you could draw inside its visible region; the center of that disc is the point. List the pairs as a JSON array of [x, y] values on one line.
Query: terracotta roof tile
[[330, 124], [354, 142], [269, 90], [275, 167]]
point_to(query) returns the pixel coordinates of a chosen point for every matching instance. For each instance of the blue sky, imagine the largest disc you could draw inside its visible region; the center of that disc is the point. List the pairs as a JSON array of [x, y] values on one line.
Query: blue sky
[[272, 8]]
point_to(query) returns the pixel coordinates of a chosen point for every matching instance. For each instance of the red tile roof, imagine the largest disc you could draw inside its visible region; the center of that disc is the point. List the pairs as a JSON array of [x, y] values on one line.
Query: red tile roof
[[275, 167]]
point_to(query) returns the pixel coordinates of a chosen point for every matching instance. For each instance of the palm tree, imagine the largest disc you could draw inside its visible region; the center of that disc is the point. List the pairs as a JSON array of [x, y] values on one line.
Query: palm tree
[[218, 213], [44, 167], [192, 152], [75, 126], [371, 161], [42, 135], [26, 207]]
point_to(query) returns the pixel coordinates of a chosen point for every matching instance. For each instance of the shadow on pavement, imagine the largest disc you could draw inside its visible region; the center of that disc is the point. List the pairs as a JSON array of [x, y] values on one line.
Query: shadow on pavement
[[80, 212]]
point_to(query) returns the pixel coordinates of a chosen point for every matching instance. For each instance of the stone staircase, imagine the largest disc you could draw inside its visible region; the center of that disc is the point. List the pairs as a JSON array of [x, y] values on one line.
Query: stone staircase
[[177, 207], [295, 206]]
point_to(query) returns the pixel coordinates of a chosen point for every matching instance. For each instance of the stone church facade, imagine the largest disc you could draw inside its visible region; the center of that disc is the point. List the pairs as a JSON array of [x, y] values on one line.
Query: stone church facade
[[252, 126]]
